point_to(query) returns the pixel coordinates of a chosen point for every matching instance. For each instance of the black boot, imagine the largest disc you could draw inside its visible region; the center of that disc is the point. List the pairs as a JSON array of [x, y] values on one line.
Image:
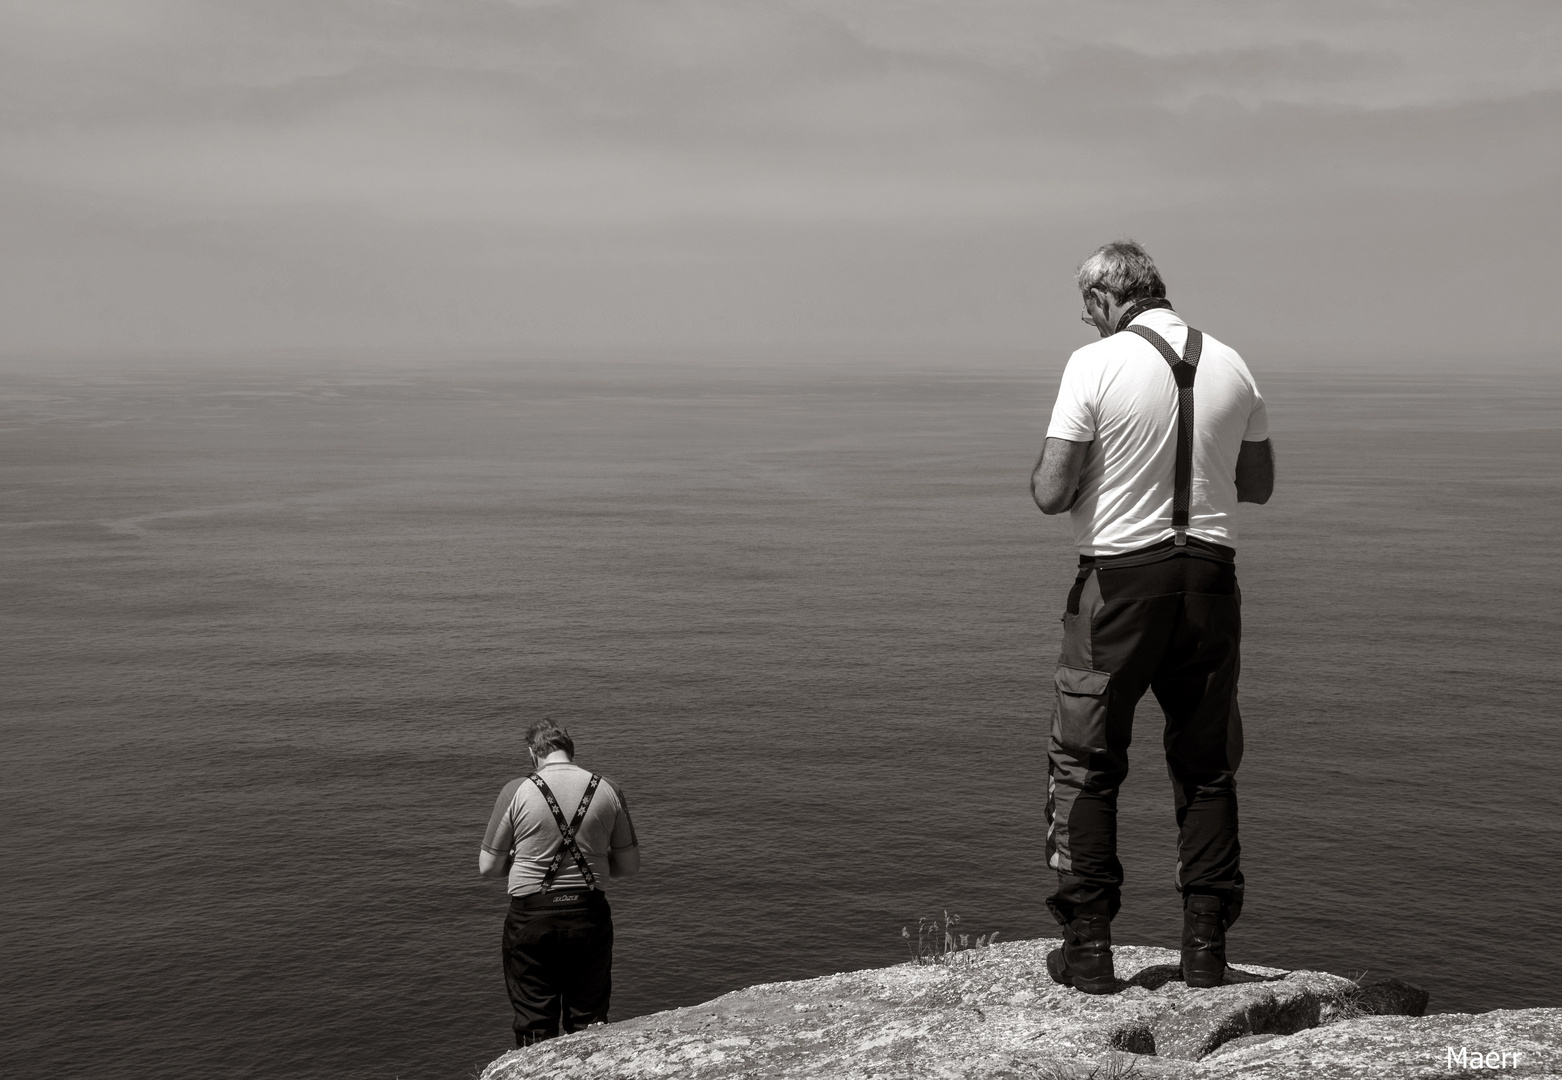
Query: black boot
[[1203, 940], [1085, 960]]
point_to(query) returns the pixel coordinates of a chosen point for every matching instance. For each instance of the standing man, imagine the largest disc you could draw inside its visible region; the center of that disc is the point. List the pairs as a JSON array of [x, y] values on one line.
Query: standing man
[[558, 936], [1157, 434]]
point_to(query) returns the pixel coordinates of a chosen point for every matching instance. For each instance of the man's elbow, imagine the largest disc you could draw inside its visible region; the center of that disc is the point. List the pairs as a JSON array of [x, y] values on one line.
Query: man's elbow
[[1257, 494], [1049, 501], [624, 862], [1054, 502], [1256, 485], [1256, 472], [1054, 482]]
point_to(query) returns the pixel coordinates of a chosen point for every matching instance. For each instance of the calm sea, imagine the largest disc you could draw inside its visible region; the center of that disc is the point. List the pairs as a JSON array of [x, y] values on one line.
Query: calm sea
[[271, 635]]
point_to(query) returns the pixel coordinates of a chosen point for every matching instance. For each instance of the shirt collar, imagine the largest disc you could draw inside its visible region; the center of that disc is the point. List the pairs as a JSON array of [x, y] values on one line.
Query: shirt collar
[[1138, 307], [1159, 320]]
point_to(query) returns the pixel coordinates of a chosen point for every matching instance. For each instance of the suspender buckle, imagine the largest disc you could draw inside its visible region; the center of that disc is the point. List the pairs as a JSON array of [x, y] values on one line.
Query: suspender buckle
[[1181, 538]]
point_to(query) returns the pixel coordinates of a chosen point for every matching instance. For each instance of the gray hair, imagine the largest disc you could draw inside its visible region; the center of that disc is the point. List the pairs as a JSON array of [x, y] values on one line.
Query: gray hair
[[1122, 268]]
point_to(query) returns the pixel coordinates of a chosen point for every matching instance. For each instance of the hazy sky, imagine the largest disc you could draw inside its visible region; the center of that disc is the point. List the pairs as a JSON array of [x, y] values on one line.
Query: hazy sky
[[778, 177]]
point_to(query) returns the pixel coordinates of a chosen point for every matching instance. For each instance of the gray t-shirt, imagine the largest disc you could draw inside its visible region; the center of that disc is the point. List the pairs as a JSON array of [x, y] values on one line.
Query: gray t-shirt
[[523, 827]]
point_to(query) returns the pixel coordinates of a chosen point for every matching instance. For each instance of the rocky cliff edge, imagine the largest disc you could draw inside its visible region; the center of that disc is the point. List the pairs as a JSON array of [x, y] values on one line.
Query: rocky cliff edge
[[994, 1014]]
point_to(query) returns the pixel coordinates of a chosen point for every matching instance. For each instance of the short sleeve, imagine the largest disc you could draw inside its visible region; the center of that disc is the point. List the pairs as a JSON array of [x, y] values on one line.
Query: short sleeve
[[623, 827], [1257, 420], [499, 837], [1074, 414]]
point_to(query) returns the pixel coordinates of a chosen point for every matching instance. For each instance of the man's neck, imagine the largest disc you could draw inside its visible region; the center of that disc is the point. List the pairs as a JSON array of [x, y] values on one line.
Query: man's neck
[[1124, 314], [1112, 315], [558, 757]]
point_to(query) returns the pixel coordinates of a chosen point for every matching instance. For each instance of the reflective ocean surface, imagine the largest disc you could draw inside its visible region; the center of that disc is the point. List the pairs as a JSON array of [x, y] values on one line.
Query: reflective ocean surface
[[271, 635]]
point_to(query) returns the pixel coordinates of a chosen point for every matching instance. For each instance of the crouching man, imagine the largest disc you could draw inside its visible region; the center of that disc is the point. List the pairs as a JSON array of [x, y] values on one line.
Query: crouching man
[[558, 935], [1158, 433]]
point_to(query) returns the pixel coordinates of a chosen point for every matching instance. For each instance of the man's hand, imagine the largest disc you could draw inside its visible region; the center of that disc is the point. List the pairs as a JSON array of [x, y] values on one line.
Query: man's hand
[[491, 865], [1255, 472], [1054, 482]]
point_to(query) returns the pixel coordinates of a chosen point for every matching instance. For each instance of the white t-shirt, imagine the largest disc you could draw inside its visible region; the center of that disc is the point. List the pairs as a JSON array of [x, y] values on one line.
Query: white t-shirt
[[1118, 394]]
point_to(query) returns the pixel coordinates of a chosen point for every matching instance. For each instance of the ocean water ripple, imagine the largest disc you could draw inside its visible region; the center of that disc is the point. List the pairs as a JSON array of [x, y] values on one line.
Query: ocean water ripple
[[271, 636]]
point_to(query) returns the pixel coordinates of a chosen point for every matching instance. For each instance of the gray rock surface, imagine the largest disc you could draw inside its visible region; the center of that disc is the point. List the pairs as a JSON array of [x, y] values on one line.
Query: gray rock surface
[[994, 1014], [1404, 1048]]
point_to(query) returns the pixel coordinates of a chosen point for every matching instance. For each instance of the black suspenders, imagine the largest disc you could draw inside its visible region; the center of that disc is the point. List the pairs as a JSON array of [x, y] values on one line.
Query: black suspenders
[[568, 829], [1184, 368]]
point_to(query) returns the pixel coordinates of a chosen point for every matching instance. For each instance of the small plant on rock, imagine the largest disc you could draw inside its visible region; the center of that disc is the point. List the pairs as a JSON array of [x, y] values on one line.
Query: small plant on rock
[[937, 942], [1350, 1004], [1114, 1067]]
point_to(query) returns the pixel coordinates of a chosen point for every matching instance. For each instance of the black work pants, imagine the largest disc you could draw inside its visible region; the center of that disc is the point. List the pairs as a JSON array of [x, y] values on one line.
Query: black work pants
[[558, 961], [1172, 626]]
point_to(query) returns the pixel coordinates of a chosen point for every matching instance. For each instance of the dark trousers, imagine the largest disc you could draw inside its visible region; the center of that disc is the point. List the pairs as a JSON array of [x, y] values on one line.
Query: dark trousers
[[558, 961], [1174, 627]]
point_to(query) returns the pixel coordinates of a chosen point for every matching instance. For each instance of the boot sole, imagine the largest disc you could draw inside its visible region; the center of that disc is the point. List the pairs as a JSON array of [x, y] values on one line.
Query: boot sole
[[1203, 980]]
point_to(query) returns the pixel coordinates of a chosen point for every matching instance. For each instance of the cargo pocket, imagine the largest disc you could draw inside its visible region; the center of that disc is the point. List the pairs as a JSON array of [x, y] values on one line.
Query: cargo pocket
[[1080, 724]]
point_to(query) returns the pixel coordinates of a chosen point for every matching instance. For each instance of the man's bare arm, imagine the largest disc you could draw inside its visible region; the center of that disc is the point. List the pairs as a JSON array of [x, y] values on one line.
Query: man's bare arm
[[1054, 483], [622, 862], [491, 865], [1255, 472]]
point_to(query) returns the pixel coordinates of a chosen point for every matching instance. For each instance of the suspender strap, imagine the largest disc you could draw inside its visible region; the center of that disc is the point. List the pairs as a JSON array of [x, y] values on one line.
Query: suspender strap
[[1184, 368], [568, 829]]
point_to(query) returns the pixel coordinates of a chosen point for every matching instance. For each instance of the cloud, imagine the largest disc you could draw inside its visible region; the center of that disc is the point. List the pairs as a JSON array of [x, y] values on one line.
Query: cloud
[[706, 136]]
